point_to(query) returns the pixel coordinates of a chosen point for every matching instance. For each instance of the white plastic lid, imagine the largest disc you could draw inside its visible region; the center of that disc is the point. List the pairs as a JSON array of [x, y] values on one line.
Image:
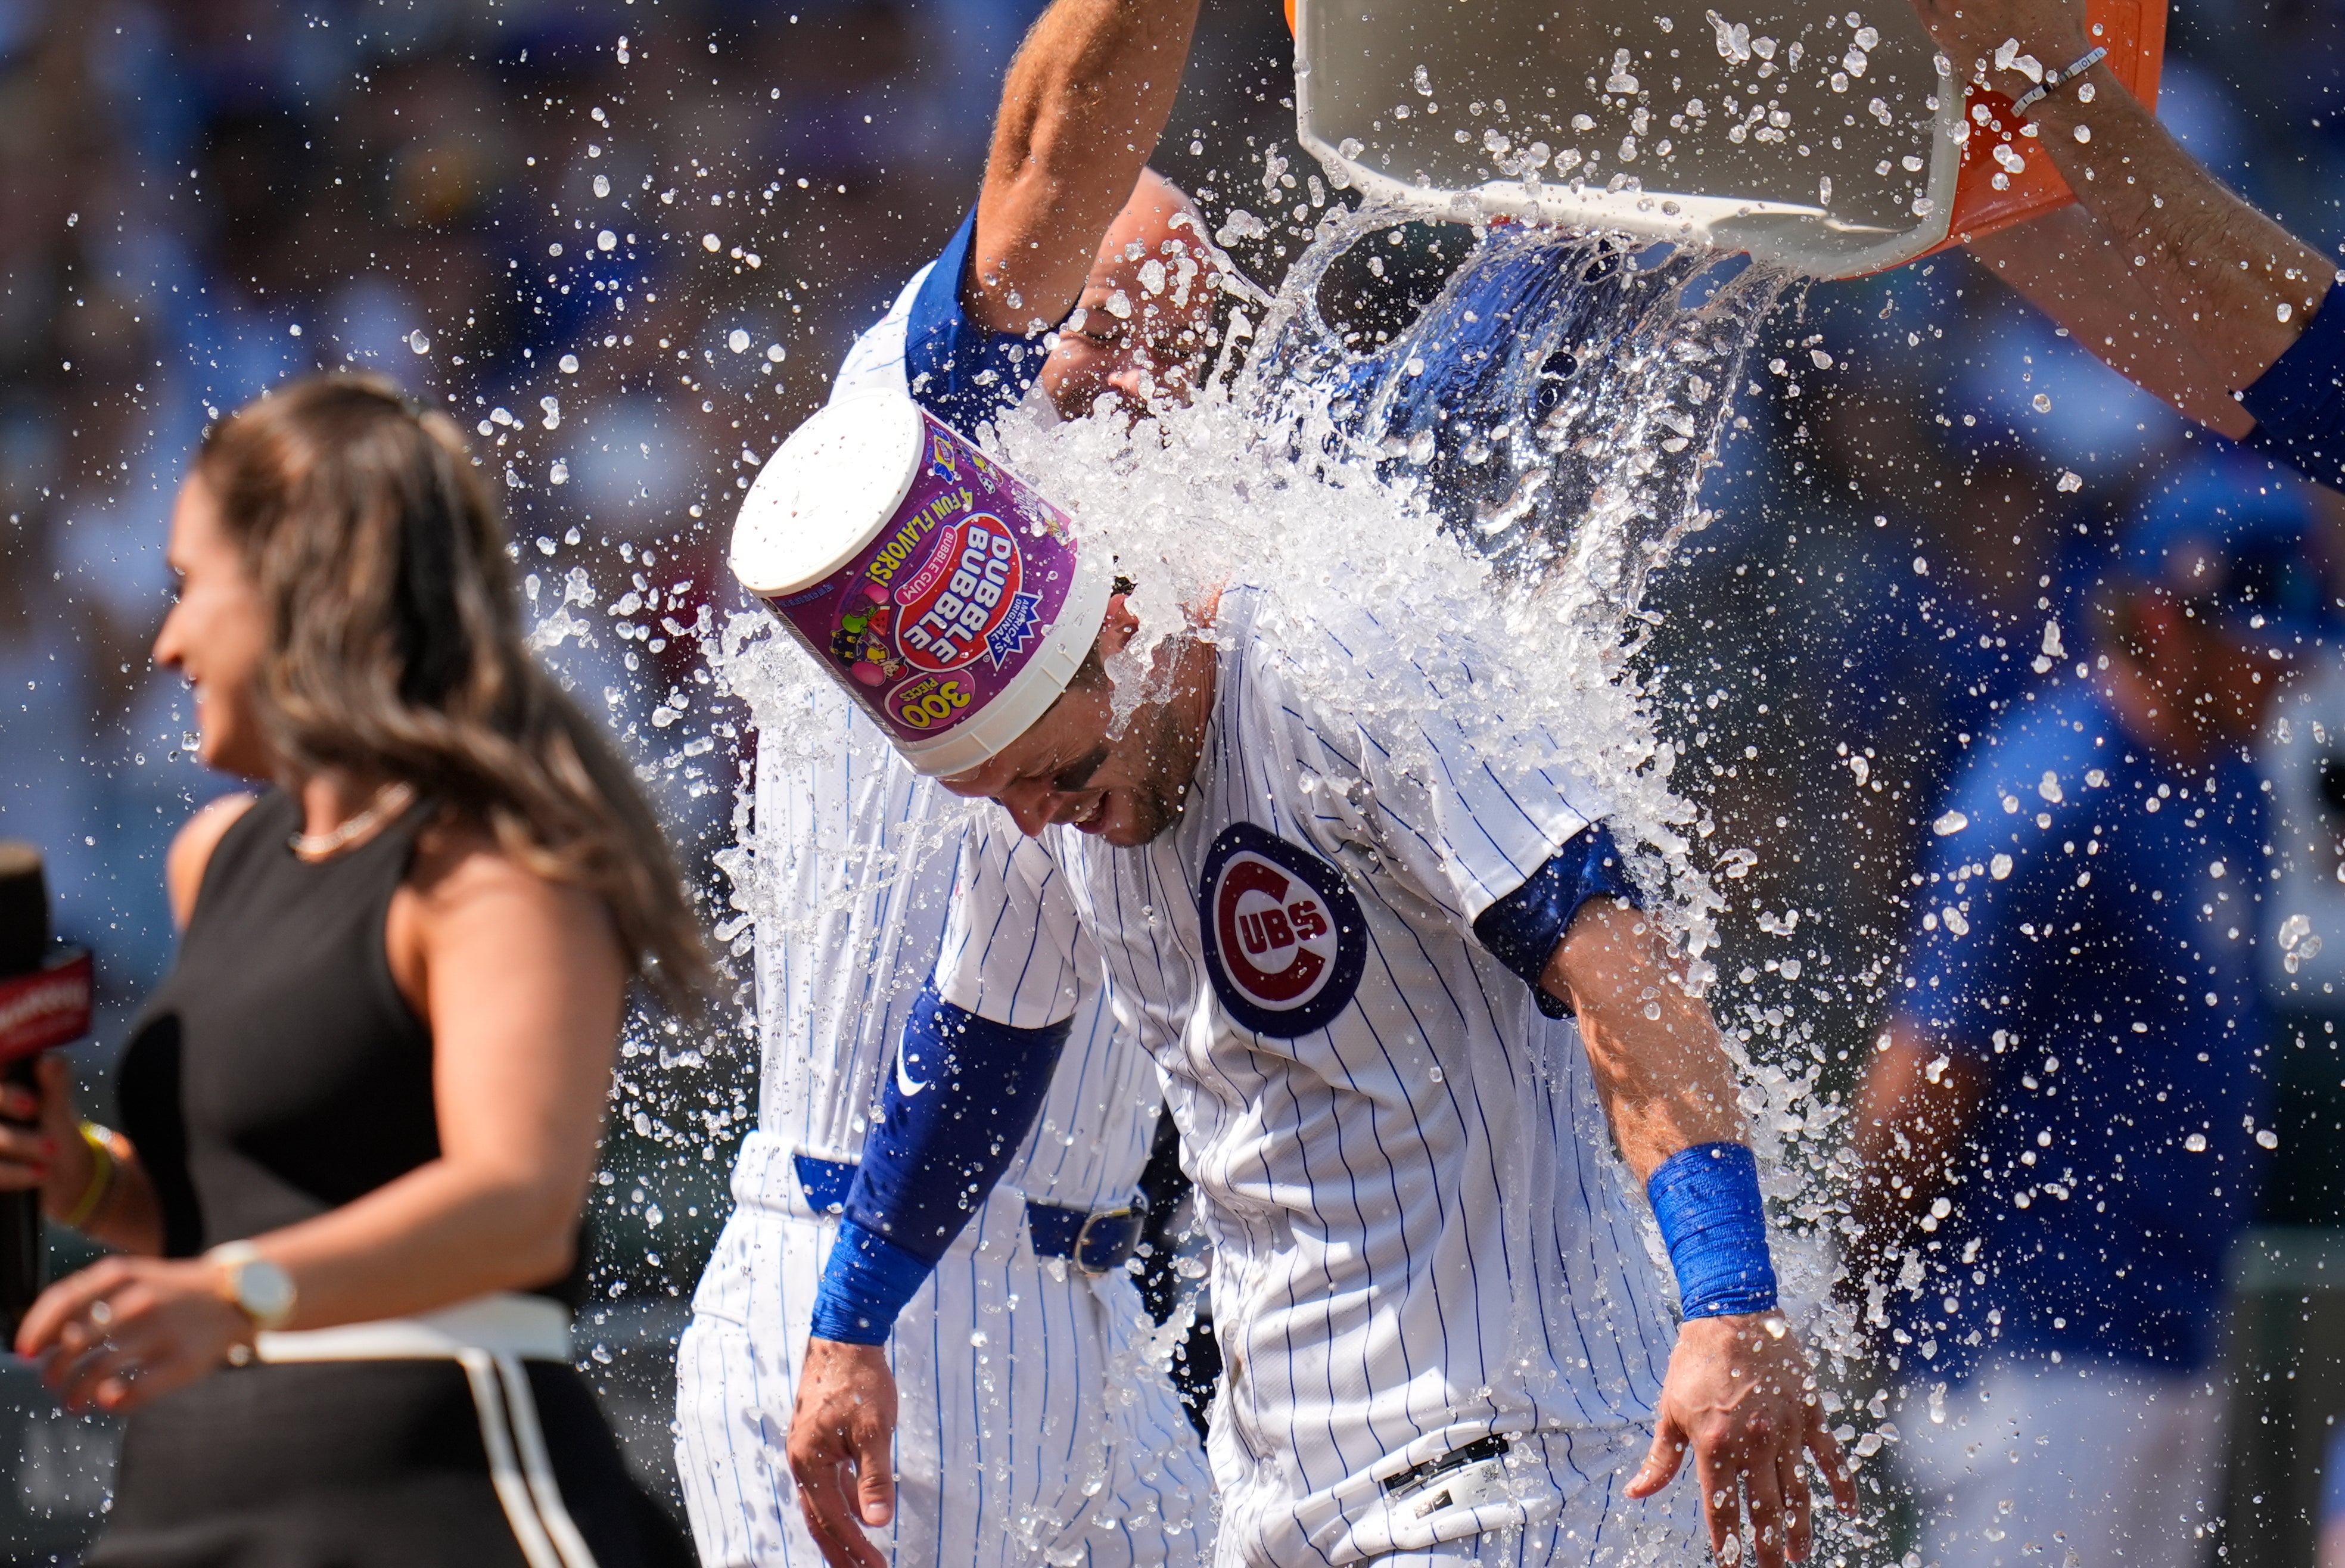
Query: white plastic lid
[[826, 492]]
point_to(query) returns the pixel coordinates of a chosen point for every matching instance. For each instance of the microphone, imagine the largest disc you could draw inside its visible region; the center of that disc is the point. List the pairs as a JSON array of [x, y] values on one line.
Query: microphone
[[44, 1001]]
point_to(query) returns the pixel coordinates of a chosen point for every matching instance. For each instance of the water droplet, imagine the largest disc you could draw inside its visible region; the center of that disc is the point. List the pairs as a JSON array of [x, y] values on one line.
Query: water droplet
[[569, 363], [775, 353], [559, 473], [978, 1337], [2196, 1143], [2042, 402], [190, 741], [602, 185], [1952, 821], [419, 342], [710, 242], [1422, 79], [607, 240], [737, 341]]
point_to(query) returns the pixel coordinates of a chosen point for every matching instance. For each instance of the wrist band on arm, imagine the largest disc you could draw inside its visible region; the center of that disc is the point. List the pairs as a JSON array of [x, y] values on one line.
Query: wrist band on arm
[[1707, 1200], [102, 1163], [2053, 80], [866, 1283]]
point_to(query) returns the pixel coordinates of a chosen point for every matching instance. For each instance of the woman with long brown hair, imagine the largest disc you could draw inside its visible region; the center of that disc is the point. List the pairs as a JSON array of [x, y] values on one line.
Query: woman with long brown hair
[[361, 1114]]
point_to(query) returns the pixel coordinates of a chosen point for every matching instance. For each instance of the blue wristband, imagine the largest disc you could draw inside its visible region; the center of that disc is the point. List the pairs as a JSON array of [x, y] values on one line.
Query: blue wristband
[[865, 1285], [1707, 1200]]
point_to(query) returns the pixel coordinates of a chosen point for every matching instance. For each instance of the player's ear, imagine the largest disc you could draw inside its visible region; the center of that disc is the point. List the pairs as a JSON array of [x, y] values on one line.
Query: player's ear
[[1118, 629]]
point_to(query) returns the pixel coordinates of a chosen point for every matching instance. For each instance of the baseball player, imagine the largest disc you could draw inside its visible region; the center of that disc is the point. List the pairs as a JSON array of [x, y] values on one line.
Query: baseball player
[[1439, 1337], [1037, 1426], [1037, 1423], [1342, 939]]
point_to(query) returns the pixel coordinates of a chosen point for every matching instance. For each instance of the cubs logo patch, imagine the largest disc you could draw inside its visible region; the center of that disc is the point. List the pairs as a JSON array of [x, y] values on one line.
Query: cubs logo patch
[[1286, 944]]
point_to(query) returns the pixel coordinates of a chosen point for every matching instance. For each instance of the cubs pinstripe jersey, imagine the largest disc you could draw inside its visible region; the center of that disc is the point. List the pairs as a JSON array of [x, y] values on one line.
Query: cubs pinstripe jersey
[[1420, 1243]]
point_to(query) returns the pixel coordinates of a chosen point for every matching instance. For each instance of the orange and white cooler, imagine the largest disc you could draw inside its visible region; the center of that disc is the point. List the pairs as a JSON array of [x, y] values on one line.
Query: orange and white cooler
[[1820, 136]]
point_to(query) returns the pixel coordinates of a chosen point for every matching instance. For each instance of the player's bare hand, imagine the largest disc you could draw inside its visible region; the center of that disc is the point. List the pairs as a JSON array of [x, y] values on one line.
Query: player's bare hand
[[1740, 1394], [841, 1438], [1970, 31]]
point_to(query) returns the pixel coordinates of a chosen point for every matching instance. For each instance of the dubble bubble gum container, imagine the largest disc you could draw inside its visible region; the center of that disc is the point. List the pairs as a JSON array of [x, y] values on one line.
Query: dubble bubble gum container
[[949, 597]]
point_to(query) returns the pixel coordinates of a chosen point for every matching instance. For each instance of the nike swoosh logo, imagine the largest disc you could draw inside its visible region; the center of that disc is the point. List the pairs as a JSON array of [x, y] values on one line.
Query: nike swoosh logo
[[903, 1082]]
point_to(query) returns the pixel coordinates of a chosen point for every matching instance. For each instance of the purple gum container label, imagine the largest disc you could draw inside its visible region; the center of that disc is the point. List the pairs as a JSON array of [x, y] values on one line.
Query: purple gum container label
[[941, 613]]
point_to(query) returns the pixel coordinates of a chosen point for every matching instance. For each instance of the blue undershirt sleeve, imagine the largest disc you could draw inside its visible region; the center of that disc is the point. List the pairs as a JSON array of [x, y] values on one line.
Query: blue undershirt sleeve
[[2300, 402], [1521, 930], [929, 1159], [957, 370]]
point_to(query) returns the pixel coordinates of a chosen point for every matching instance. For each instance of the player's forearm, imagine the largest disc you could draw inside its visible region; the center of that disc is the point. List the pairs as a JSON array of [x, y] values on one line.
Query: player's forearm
[[2068, 266], [2236, 287], [1661, 1072], [1082, 108], [1662, 1075]]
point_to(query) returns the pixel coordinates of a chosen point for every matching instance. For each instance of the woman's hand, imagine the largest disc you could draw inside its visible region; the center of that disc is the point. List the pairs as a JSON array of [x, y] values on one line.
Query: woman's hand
[[40, 1139], [125, 1329]]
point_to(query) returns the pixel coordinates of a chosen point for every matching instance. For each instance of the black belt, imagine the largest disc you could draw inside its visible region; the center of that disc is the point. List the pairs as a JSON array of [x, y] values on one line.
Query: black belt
[[1095, 1240]]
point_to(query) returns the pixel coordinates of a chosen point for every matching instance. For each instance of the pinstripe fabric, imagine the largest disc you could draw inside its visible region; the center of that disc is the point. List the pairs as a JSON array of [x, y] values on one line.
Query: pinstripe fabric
[[1039, 1424], [1418, 1235]]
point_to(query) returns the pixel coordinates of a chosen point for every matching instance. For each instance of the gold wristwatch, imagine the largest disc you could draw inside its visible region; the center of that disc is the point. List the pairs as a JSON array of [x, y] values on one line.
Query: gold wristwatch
[[262, 1290]]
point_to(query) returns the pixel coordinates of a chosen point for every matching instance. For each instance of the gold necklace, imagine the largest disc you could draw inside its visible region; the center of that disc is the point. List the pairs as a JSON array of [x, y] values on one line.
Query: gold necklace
[[389, 800]]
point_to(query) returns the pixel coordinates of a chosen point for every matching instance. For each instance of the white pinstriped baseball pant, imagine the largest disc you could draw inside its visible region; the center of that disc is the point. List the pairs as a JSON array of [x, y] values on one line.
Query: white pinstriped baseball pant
[[1034, 1429]]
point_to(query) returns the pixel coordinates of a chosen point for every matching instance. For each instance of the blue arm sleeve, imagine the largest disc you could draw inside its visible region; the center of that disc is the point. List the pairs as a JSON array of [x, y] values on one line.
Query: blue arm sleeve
[[2300, 402], [957, 370], [1521, 930], [930, 1158]]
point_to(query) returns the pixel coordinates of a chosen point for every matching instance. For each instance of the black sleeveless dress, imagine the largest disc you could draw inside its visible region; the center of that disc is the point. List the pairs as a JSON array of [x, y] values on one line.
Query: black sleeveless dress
[[276, 1074]]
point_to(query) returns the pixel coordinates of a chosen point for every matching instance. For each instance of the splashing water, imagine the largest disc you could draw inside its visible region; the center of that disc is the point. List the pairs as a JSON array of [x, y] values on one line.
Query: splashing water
[[1500, 475], [1558, 403], [1504, 474]]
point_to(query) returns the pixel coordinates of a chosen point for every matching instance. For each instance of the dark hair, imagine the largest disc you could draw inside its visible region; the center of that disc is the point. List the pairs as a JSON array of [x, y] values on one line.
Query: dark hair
[[395, 650]]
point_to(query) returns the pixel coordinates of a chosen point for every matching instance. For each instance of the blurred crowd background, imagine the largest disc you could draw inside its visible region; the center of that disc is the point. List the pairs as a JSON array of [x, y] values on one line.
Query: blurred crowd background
[[625, 241]]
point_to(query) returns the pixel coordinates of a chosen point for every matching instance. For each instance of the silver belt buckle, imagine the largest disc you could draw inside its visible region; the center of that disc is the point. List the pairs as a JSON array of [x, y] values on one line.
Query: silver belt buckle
[[1083, 1236]]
